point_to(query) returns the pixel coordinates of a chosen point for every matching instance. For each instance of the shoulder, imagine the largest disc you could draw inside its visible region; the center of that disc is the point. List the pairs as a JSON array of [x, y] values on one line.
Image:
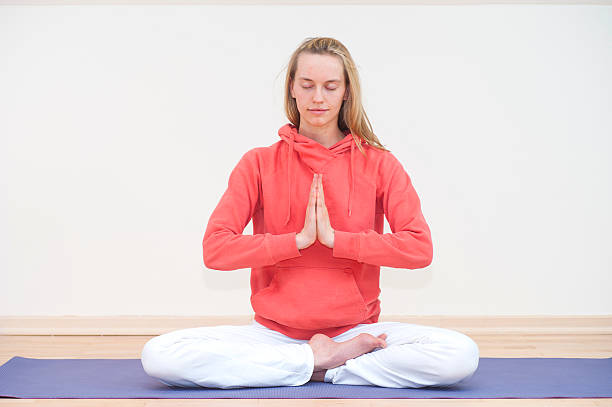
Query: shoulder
[[260, 159], [389, 169], [384, 160], [257, 153]]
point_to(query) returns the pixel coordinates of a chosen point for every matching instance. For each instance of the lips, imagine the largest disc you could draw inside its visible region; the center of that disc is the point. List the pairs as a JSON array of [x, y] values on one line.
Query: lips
[[318, 112]]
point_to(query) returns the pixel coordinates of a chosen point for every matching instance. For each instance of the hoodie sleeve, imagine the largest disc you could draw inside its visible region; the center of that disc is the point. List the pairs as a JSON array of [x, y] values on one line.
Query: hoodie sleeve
[[224, 246], [409, 245]]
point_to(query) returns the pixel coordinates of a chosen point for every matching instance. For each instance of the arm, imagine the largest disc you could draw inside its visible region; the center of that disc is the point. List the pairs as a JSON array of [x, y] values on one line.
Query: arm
[[410, 245], [224, 246]]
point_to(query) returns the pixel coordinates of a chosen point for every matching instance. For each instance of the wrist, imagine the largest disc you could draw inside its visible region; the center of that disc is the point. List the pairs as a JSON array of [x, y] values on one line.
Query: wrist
[[300, 241]]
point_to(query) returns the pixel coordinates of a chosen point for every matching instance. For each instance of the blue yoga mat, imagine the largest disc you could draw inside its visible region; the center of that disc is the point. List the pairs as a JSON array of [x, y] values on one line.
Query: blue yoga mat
[[125, 378]]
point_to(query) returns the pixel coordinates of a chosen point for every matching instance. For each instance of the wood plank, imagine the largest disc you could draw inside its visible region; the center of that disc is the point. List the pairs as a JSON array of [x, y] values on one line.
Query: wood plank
[[156, 325]]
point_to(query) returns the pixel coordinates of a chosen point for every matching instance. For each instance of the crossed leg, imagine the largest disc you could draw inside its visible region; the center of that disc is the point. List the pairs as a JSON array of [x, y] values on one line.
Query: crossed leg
[[415, 356], [231, 356], [228, 356]]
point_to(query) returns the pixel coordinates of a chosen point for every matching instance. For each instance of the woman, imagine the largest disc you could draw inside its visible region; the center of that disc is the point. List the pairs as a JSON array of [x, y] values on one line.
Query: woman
[[318, 208]]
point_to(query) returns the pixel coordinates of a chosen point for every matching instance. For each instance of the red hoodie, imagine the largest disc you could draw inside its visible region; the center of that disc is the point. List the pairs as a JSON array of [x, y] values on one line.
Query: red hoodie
[[317, 289]]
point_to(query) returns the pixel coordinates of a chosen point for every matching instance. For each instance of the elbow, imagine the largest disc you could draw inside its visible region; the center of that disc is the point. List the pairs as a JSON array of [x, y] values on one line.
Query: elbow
[[417, 260], [427, 261], [207, 262], [419, 253], [421, 263], [210, 257], [207, 259], [213, 259], [427, 255], [215, 256], [211, 262]]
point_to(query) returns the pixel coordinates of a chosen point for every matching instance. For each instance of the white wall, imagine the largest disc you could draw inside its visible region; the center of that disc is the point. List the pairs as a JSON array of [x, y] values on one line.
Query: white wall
[[120, 125]]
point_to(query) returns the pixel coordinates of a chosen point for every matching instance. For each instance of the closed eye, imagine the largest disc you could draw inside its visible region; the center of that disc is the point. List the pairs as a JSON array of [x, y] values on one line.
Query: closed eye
[[308, 87]]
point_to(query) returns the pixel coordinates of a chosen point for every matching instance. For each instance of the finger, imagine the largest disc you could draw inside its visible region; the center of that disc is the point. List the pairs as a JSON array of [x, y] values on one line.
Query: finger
[[322, 196], [313, 191]]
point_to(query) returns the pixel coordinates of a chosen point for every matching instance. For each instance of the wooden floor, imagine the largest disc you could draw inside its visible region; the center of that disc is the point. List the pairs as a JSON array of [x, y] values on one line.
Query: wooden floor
[[498, 345]]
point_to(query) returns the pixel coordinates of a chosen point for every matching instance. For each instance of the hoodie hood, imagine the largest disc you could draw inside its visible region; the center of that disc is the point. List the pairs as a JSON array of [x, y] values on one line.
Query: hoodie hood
[[315, 155]]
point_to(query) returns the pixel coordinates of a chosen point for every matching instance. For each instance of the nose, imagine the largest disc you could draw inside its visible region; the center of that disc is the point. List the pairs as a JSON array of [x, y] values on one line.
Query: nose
[[318, 95]]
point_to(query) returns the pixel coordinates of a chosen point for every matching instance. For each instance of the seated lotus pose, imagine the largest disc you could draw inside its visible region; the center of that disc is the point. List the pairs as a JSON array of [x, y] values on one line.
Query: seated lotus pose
[[318, 198]]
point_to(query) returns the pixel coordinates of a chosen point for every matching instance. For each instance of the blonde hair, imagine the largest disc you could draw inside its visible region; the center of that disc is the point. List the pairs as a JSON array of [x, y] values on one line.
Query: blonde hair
[[352, 116]]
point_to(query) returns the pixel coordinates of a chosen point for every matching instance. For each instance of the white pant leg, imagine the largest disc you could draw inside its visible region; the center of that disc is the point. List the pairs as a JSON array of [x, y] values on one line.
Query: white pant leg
[[415, 356], [228, 356]]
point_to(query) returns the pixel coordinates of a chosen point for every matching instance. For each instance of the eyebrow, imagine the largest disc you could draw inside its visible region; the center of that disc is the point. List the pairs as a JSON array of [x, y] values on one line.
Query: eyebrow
[[308, 79]]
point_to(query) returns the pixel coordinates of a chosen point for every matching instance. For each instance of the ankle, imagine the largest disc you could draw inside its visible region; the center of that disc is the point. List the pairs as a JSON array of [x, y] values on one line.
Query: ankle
[[321, 358], [318, 376]]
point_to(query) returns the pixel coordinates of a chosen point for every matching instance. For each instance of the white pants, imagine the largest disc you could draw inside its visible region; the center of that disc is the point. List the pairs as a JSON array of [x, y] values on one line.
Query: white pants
[[233, 356]]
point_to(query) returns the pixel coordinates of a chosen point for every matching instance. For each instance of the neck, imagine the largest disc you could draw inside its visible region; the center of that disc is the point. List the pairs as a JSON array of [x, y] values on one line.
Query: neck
[[327, 136]]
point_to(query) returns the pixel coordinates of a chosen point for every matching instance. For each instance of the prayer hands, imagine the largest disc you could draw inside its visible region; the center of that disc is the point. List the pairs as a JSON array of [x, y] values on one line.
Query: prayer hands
[[316, 224]]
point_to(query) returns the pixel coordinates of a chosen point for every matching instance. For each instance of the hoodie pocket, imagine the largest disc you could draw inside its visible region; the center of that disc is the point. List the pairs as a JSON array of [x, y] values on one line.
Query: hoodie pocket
[[311, 298]]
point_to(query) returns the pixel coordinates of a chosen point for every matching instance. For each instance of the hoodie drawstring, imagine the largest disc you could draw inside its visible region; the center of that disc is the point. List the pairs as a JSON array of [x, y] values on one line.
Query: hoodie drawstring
[[289, 170], [350, 201]]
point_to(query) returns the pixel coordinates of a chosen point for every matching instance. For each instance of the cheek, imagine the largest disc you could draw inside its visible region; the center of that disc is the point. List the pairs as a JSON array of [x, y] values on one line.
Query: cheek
[[337, 97], [299, 97], [336, 101]]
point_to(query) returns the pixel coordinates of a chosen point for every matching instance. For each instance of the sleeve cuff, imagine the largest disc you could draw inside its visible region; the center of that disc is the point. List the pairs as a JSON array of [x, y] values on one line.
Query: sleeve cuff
[[346, 245], [282, 247]]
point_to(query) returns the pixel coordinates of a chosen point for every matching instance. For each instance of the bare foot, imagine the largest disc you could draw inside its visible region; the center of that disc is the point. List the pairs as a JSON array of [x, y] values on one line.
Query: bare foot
[[329, 353]]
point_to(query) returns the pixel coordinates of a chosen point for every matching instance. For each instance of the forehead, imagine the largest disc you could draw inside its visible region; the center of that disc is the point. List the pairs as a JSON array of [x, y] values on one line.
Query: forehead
[[318, 67]]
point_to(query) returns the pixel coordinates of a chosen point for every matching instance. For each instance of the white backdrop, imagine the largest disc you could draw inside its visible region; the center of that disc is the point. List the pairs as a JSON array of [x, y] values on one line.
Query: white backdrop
[[120, 125]]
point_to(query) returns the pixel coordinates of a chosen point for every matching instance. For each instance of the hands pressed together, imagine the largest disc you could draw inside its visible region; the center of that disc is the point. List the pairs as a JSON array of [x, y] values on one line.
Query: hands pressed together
[[316, 224]]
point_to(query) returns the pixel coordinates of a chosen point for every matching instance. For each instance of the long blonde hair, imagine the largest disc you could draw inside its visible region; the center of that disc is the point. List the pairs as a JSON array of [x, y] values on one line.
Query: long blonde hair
[[352, 116]]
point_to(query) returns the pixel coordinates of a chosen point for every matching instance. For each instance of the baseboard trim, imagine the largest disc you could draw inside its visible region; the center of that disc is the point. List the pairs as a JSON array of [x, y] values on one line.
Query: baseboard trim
[[156, 325]]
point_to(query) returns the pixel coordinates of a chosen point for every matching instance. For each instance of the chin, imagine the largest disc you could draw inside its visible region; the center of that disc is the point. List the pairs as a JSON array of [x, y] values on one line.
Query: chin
[[319, 121]]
